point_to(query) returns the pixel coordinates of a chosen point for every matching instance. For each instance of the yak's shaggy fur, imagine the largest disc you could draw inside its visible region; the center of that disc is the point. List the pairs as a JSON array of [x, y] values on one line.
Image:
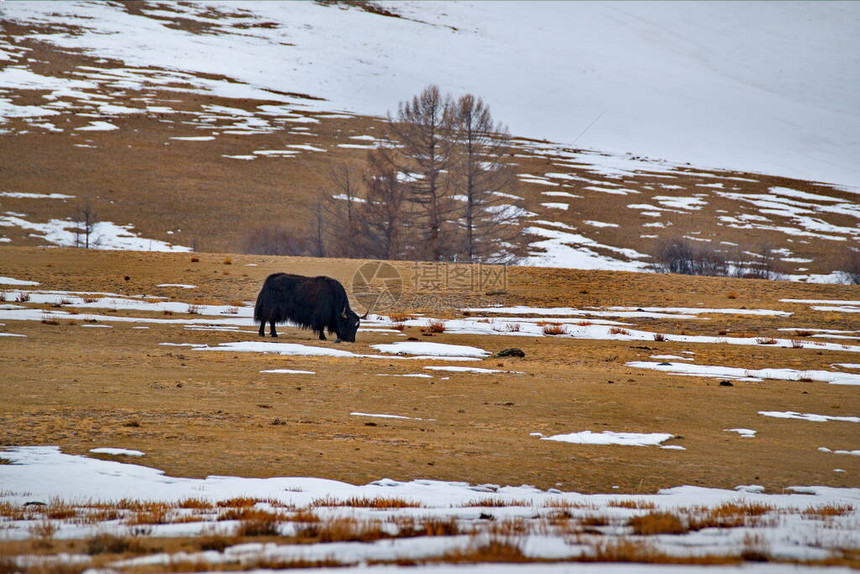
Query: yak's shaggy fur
[[315, 303]]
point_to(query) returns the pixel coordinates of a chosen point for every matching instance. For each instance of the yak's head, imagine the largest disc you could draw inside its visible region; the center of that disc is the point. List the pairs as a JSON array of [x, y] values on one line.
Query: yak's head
[[347, 325]]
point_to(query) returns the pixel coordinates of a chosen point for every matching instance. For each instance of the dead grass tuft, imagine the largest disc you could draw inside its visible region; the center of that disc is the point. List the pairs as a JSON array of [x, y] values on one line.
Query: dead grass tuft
[[238, 502], [658, 523], [494, 551], [436, 326], [265, 525], [633, 504], [765, 341], [195, 504], [248, 514], [111, 544], [618, 331], [624, 550], [345, 529], [660, 337], [554, 329], [382, 503], [828, 510]]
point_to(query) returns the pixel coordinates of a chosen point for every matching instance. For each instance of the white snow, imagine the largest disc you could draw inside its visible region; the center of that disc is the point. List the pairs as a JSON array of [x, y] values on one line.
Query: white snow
[[278, 348], [16, 282], [609, 437], [179, 285], [116, 451], [104, 235], [807, 416], [98, 126], [576, 251], [288, 372], [848, 452], [457, 369], [380, 416], [430, 349], [745, 433], [21, 195], [832, 377]]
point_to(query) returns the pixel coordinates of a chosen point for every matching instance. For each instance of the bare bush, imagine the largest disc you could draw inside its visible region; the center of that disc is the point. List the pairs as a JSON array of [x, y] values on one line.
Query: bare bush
[[275, 240], [850, 266], [681, 256]]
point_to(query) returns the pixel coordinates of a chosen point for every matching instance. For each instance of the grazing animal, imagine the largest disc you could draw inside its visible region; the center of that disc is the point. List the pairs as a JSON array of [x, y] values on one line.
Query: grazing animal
[[315, 303]]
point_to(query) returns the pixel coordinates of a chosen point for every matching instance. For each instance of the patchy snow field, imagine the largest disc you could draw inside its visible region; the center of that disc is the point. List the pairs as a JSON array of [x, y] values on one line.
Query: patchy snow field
[[418, 522]]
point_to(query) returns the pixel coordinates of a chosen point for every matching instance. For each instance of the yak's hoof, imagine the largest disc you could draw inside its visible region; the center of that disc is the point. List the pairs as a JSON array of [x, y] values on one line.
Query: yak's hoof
[[337, 340], [274, 335]]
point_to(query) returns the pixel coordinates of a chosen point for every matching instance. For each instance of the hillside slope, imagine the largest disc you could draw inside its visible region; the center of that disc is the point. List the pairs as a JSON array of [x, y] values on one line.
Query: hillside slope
[[197, 123]]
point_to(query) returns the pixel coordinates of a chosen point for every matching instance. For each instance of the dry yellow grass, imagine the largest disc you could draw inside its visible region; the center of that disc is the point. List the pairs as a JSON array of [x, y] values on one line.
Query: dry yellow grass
[[196, 414]]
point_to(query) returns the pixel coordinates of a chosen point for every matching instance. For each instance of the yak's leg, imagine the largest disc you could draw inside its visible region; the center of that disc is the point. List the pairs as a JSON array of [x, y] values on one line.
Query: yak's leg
[[322, 335], [274, 333], [262, 328]]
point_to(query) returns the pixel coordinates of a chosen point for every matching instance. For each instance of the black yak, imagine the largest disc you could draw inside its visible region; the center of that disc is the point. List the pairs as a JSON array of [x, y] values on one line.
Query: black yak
[[316, 303]]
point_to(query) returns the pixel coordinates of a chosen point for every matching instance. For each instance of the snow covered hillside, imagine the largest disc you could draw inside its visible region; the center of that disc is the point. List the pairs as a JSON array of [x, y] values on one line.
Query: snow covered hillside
[[726, 126], [765, 87]]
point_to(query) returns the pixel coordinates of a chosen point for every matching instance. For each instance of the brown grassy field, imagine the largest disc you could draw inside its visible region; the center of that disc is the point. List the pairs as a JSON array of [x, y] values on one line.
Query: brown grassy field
[[201, 413]]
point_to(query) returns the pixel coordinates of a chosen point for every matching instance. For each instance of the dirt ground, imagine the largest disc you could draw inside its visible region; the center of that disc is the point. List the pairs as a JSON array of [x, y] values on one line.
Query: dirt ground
[[203, 413]]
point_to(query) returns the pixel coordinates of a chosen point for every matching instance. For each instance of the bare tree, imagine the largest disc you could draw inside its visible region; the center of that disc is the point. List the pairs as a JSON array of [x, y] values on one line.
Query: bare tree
[[423, 128], [489, 221], [383, 220], [339, 211], [86, 220]]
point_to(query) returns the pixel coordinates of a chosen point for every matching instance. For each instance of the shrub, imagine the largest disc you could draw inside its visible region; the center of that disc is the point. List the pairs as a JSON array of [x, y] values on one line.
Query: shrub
[[766, 341], [436, 326], [796, 344], [681, 256], [660, 337], [193, 310], [554, 329], [22, 297], [276, 240], [512, 327], [618, 331]]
